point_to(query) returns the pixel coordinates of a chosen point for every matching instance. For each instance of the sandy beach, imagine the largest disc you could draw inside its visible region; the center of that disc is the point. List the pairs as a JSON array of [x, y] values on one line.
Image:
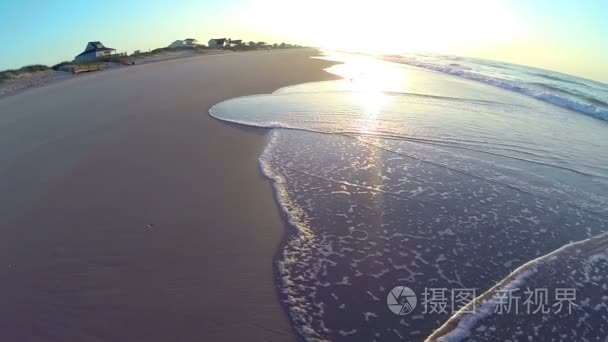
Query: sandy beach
[[129, 214], [30, 80]]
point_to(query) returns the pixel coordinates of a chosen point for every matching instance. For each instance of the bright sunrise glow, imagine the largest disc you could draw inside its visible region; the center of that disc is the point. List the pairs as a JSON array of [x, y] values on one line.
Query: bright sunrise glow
[[557, 35], [389, 25]]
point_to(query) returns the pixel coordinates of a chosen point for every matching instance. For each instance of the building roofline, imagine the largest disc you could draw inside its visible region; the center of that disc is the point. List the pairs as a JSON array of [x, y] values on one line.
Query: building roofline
[[95, 50]]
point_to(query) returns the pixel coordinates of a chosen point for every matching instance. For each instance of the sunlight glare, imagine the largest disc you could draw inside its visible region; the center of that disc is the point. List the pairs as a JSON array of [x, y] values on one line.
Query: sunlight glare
[[386, 26]]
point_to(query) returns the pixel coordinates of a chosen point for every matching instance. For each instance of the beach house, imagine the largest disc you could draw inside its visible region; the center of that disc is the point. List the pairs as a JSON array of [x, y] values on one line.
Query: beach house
[[177, 44], [93, 51], [217, 43], [189, 42]]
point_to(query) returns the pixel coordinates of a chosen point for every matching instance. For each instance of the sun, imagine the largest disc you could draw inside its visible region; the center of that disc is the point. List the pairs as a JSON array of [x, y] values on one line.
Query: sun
[[385, 26]]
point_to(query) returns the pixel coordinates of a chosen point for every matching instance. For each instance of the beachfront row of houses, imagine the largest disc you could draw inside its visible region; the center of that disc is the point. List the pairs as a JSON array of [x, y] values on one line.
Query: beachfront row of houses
[[216, 43], [95, 50]]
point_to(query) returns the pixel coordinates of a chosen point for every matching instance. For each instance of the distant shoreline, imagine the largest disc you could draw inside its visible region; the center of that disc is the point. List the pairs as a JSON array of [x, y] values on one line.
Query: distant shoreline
[[20, 80]]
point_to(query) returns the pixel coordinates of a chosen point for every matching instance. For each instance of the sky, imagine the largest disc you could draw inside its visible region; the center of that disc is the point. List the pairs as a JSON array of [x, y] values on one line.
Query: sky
[[567, 36]]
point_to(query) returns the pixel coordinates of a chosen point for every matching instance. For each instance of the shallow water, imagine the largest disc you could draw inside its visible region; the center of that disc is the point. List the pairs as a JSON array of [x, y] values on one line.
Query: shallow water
[[401, 176]]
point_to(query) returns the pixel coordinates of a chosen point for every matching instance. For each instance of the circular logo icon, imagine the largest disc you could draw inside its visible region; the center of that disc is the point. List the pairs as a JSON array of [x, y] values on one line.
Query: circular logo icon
[[401, 300]]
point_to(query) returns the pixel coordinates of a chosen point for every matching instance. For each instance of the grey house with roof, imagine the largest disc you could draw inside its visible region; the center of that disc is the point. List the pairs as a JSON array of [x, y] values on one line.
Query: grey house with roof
[[93, 51]]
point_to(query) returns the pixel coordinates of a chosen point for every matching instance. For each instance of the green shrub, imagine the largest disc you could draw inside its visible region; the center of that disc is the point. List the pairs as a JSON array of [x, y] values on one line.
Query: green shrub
[[34, 68], [59, 65]]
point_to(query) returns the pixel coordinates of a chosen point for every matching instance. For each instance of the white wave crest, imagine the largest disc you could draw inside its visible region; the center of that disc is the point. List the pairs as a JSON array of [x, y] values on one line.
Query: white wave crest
[[545, 95]]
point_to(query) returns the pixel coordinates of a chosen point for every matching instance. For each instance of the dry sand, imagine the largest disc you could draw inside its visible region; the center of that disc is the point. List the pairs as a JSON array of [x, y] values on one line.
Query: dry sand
[[129, 214], [168, 55], [41, 78]]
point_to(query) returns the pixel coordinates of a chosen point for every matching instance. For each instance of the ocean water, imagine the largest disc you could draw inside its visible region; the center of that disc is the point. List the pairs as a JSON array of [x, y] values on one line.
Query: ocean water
[[400, 175], [576, 93]]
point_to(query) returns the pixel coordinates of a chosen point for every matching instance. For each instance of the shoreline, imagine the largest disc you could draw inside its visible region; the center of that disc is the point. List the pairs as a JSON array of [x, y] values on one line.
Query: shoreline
[[156, 224]]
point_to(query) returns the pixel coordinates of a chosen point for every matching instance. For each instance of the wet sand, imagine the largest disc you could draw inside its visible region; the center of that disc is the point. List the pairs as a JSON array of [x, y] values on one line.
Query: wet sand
[[129, 214]]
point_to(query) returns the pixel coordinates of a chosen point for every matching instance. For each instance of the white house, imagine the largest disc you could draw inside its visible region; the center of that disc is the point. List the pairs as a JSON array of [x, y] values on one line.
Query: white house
[[189, 42], [177, 44], [217, 43], [93, 51]]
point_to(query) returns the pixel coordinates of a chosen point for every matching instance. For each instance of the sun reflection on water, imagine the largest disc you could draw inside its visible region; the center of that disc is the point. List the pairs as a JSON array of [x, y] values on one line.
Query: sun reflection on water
[[369, 81], [369, 84]]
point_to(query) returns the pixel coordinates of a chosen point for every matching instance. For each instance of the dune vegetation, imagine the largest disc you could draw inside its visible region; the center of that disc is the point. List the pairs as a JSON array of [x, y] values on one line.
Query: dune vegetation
[[21, 72], [123, 59]]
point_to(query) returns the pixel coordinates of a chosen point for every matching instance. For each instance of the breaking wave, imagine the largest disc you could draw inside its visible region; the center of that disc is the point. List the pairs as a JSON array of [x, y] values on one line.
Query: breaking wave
[[571, 92], [585, 253]]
